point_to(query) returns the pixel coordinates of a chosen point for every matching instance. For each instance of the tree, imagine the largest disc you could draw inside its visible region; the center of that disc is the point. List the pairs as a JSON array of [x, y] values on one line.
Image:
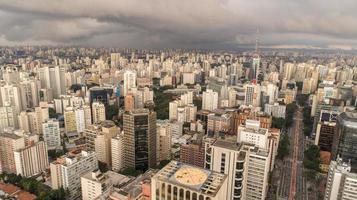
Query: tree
[[312, 161], [290, 110], [198, 103], [284, 144], [52, 113], [130, 171], [278, 122], [75, 87], [162, 101], [111, 111]]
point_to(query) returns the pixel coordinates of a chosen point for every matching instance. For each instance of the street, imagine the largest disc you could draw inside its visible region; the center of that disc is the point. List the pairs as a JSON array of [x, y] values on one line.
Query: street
[[292, 183]]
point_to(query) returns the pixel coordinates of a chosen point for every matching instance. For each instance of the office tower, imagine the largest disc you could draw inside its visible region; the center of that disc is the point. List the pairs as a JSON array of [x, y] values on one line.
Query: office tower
[[117, 145], [326, 129], [182, 181], [129, 81], [9, 142], [11, 95], [98, 138], [246, 166], [140, 139], [341, 182], [210, 100], [129, 102], [344, 141], [255, 68], [163, 145], [8, 117], [32, 159], [252, 95], [52, 134], [95, 183], [173, 106], [67, 170], [98, 94], [98, 112]]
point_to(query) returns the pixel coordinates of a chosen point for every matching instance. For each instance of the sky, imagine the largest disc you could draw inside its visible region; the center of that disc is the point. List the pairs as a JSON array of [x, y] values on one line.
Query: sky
[[191, 24]]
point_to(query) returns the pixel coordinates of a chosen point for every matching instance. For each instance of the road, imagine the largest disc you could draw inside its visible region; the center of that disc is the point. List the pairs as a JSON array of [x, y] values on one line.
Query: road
[[292, 183]]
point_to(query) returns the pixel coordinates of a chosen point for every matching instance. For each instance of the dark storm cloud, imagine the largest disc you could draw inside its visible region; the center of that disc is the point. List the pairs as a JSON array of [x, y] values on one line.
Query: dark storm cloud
[[180, 23]]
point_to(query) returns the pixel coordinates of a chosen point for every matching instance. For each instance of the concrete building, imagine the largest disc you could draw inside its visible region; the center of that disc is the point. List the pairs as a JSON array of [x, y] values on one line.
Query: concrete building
[[98, 112], [117, 150], [341, 182], [246, 166], [129, 81], [98, 139], [181, 181], [95, 184], [163, 144], [209, 100], [140, 139], [32, 159], [67, 170], [52, 134], [8, 117], [9, 142]]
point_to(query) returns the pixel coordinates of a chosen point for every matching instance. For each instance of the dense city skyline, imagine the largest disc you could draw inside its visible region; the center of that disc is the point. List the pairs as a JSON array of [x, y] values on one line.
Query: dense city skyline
[[212, 24]]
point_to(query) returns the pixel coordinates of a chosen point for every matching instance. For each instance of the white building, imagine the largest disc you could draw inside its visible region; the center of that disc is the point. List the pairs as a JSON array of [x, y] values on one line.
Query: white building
[[252, 133], [117, 152], [181, 181], [252, 95], [341, 182], [95, 184], [210, 100], [52, 134], [275, 110], [66, 171], [246, 167]]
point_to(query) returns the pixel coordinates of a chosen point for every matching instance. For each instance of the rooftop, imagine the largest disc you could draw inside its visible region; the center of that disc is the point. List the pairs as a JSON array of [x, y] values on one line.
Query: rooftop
[[192, 177]]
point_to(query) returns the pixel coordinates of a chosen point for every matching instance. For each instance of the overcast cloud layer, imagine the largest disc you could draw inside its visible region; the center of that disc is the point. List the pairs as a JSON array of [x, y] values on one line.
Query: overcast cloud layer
[[180, 23]]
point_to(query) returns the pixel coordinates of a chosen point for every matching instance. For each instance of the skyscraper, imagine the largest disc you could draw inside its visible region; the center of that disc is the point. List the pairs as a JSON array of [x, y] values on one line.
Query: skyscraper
[[140, 139], [98, 112], [345, 140]]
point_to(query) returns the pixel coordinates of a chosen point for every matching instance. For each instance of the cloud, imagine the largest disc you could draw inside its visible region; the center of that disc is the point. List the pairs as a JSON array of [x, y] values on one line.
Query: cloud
[[180, 24]]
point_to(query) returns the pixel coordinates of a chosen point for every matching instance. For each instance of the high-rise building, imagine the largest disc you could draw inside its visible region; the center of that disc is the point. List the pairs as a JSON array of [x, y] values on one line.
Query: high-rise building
[[117, 145], [252, 95], [98, 112], [341, 182], [246, 166], [67, 170], [32, 159], [129, 81], [8, 117], [163, 145], [11, 95], [182, 181], [344, 141], [52, 134], [70, 122], [9, 142], [210, 100], [54, 78], [129, 102], [140, 139], [98, 138]]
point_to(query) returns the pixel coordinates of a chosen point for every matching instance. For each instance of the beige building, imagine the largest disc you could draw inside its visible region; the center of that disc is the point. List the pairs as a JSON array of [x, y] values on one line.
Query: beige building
[[70, 120], [98, 138], [9, 142], [98, 112], [163, 144], [182, 181]]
